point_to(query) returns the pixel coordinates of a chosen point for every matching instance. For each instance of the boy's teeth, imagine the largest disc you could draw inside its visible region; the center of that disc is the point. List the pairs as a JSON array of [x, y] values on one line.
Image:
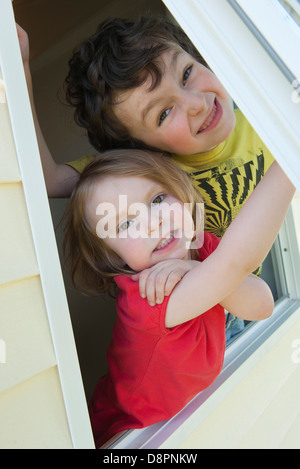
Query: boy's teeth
[[164, 242], [211, 118]]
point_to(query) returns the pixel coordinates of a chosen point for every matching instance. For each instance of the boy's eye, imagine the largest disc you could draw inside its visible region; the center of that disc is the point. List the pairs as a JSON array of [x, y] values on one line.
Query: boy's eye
[[186, 74], [125, 225], [158, 199], [163, 116]]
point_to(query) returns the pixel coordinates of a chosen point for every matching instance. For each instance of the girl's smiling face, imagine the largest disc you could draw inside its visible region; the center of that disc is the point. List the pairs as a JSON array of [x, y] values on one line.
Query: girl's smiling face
[[188, 112], [139, 221]]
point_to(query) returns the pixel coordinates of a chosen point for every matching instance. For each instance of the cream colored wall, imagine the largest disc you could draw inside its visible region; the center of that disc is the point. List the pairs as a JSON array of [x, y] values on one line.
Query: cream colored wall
[[32, 412], [263, 410]]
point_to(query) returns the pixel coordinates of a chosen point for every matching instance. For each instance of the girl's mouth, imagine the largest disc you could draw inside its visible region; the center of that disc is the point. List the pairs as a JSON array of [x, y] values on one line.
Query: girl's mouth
[[212, 119], [165, 242]]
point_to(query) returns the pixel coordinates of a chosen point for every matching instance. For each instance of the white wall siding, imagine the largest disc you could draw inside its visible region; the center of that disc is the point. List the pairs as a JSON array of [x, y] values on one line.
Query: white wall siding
[[32, 412], [263, 410]]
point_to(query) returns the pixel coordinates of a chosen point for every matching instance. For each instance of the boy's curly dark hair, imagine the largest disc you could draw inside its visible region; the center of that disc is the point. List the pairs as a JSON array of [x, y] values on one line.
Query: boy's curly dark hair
[[119, 56]]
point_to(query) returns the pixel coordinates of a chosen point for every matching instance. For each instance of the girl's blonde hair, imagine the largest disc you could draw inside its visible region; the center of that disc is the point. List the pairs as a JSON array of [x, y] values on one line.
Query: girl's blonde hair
[[93, 265]]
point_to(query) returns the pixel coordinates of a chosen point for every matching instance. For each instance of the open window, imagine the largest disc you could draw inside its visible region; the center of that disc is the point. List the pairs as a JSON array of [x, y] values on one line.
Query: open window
[[263, 78]]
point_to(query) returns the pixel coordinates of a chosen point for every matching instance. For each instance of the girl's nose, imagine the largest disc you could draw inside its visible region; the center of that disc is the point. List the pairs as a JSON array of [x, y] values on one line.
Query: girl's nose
[[154, 222]]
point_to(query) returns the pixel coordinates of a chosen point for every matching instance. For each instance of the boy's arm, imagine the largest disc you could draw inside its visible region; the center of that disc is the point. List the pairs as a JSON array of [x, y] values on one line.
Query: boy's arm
[[60, 178], [243, 247]]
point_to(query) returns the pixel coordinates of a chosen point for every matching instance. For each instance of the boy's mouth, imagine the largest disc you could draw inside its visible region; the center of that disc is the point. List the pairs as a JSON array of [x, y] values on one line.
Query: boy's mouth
[[212, 119]]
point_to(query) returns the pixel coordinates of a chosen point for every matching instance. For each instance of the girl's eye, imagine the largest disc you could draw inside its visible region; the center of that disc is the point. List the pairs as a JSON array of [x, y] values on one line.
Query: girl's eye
[[186, 74], [125, 225], [163, 116], [158, 199]]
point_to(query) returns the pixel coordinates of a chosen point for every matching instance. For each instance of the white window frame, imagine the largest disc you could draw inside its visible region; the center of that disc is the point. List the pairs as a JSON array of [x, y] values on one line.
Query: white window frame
[[279, 19], [248, 70], [219, 26], [42, 230]]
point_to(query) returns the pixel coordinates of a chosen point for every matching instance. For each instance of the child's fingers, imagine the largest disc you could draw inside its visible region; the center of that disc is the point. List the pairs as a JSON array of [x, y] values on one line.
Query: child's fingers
[[143, 276], [151, 285], [24, 42], [172, 280], [150, 291], [160, 283]]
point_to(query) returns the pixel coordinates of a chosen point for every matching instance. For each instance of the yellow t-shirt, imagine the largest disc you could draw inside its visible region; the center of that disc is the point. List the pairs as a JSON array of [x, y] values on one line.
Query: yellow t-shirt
[[228, 174], [224, 176]]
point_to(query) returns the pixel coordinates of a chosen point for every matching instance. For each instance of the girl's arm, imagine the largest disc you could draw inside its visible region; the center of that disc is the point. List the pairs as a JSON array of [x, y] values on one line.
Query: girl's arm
[[159, 280], [252, 300], [60, 178], [242, 249]]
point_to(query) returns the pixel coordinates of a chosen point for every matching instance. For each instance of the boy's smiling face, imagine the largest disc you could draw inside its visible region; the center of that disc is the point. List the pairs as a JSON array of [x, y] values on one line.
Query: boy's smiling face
[[188, 112]]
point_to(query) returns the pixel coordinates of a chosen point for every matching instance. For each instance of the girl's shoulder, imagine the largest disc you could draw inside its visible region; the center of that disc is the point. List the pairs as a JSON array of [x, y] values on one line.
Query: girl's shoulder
[[135, 312]]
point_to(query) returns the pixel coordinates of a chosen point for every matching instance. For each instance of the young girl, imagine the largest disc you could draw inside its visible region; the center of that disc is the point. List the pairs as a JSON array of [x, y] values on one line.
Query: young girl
[[135, 213]]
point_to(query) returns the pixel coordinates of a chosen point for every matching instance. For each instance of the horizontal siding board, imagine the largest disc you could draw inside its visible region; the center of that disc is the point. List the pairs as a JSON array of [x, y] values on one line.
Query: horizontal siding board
[[33, 416], [33, 411], [270, 430], [25, 331], [291, 439], [17, 252]]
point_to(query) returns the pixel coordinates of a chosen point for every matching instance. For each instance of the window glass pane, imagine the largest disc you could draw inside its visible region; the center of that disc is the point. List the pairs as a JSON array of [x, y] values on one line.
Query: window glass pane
[[272, 273], [293, 8]]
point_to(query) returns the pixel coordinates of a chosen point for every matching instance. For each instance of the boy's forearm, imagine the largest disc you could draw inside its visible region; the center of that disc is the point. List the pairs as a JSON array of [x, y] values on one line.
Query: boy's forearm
[[59, 178], [254, 230], [48, 164], [243, 247]]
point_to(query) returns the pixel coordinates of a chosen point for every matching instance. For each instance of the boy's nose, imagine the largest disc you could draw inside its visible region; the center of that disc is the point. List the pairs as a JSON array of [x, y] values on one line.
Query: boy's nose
[[195, 104]]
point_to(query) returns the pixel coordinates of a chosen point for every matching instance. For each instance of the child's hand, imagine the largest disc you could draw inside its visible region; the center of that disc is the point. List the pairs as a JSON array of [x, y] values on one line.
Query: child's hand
[[24, 43], [158, 281]]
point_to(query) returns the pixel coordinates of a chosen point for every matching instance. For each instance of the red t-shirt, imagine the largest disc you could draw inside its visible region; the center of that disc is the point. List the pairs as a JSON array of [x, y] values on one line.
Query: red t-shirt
[[154, 371]]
